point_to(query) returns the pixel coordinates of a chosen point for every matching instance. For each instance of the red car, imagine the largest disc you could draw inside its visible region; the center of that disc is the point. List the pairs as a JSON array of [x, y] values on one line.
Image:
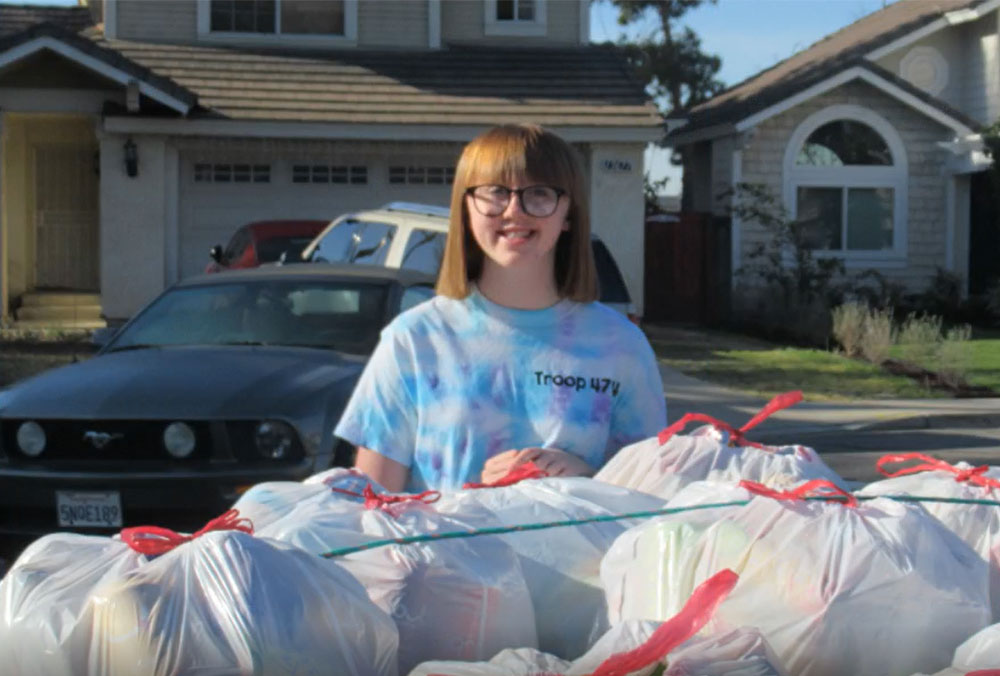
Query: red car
[[264, 242]]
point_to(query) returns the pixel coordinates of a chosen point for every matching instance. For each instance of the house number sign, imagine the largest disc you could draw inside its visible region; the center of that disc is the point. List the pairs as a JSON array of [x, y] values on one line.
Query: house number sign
[[617, 166]]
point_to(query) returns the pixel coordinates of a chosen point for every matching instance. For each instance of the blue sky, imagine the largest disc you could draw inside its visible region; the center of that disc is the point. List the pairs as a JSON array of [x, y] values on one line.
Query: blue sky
[[749, 36]]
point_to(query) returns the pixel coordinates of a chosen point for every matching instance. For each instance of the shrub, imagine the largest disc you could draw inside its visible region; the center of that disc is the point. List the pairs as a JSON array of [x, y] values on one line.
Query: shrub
[[918, 338], [876, 336], [952, 355], [849, 326], [992, 300]]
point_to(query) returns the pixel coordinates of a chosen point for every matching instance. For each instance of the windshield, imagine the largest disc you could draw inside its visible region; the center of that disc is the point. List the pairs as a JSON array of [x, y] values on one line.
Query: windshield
[[338, 315], [270, 250], [352, 241]]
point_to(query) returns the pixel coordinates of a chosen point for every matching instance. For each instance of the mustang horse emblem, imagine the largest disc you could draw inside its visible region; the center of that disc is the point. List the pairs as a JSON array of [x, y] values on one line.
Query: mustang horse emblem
[[100, 439]]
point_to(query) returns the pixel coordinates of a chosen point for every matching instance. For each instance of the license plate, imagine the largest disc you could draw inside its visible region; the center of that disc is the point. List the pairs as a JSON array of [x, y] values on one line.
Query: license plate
[[78, 508]]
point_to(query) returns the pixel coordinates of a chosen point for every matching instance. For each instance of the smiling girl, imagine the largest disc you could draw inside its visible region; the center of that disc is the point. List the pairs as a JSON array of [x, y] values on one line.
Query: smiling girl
[[513, 361]]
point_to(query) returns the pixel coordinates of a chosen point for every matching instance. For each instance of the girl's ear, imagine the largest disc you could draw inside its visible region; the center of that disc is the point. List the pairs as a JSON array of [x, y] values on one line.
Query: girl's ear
[[566, 225]]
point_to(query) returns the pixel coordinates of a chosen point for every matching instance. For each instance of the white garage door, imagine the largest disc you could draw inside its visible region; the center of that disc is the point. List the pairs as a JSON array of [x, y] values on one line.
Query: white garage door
[[220, 194]]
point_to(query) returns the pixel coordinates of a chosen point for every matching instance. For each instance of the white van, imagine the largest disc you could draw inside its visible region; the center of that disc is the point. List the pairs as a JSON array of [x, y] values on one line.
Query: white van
[[412, 236]]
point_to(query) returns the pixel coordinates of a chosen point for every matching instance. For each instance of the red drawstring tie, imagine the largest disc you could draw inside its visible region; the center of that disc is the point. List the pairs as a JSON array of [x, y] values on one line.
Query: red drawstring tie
[[693, 616], [737, 436], [820, 488], [973, 475], [528, 470], [385, 501], [154, 540]]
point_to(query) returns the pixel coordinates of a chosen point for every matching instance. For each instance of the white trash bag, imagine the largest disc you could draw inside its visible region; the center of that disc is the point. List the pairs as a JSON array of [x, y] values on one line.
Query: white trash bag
[[639, 647], [977, 524], [221, 601], [664, 464], [836, 588], [561, 565], [460, 598], [979, 655], [45, 619], [267, 502]]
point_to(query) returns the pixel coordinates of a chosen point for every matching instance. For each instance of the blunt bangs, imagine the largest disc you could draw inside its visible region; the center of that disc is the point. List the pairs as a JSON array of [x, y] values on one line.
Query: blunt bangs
[[528, 154]]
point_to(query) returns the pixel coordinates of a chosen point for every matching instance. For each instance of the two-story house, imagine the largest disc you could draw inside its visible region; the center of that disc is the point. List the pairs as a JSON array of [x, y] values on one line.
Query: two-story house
[[138, 133], [870, 139]]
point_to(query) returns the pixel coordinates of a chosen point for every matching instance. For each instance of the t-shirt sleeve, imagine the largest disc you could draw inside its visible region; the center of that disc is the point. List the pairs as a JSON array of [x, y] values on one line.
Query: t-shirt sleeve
[[381, 414], [641, 411]]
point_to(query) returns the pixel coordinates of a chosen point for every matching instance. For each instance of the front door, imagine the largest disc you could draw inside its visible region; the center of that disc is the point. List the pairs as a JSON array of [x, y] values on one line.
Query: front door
[[66, 217]]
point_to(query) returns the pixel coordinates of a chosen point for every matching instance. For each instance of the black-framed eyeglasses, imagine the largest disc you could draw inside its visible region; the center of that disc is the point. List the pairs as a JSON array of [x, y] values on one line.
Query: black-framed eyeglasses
[[536, 200]]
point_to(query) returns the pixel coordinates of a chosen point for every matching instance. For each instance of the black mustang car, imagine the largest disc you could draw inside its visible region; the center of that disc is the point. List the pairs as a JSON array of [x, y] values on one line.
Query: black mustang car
[[221, 382]]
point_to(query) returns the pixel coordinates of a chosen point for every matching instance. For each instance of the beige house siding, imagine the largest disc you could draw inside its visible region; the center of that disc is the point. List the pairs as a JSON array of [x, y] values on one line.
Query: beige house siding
[[157, 20], [763, 164], [392, 23], [981, 70], [463, 21], [950, 44]]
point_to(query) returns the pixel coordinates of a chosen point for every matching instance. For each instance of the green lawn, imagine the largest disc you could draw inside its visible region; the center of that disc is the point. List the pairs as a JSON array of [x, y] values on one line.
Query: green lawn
[[767, 369]]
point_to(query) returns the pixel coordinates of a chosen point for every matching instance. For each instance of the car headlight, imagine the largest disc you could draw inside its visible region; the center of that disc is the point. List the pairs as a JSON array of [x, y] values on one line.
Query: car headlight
[[179, 439], [274, 439], [31, 438]]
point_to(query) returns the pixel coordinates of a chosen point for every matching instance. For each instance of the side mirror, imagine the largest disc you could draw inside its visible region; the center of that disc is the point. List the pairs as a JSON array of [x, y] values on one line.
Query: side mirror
[[103, 336], [215, 253]]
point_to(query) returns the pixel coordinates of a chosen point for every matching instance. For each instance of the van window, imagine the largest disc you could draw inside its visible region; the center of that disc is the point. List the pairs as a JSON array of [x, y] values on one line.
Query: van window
[[424, 251], [353, 241]]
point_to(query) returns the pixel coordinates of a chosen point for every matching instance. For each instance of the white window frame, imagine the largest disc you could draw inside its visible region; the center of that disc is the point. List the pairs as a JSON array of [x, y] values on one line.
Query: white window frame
[[895, 177], [348, 39], [536, 27]]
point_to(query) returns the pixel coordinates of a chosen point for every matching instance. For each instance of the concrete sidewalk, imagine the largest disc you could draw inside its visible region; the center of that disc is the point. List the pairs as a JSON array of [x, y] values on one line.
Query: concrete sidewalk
[[686, 394]]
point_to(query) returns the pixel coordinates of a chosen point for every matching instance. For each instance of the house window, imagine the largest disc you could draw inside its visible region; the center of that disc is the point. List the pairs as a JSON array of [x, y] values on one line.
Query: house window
[[323, 173], [416, 175], [516, 17], [295, 17], [845, 182], [515, 10], [232, 173]]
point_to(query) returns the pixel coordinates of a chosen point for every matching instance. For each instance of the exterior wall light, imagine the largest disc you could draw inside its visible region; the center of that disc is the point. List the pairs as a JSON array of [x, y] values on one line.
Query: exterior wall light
[[131, 158]]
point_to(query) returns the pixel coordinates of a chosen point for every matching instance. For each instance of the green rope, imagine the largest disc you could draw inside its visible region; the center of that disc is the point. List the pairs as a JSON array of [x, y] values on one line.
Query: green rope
[[500, 530]]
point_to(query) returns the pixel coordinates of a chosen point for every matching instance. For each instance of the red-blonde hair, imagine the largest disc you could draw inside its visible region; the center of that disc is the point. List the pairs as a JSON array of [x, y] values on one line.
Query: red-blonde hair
[[504, 155]]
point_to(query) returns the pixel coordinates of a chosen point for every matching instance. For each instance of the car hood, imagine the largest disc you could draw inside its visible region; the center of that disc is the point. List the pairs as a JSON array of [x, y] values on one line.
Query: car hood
[[188, 382]]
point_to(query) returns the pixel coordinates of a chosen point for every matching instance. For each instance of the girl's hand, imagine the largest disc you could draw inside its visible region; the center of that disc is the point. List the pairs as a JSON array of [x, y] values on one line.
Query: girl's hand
[[553, 461], [498, 466]]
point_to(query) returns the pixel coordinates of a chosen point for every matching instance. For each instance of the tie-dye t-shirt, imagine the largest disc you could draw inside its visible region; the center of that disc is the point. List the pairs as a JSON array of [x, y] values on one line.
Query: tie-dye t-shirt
[[455, 382]]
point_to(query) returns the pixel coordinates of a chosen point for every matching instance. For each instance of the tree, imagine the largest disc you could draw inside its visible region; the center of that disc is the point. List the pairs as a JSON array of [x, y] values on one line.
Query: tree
[[670, 61]]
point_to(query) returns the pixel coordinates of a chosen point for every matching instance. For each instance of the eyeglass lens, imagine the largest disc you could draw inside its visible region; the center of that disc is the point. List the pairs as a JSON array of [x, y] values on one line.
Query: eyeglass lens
[[536, 200]]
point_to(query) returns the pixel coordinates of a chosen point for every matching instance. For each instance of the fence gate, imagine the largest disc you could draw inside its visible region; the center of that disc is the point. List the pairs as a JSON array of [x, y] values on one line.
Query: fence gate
[[687, 269]]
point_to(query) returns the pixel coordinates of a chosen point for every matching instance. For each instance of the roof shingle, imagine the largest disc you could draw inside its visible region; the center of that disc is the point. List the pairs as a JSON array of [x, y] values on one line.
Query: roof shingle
[[588, 86], [833, 53]]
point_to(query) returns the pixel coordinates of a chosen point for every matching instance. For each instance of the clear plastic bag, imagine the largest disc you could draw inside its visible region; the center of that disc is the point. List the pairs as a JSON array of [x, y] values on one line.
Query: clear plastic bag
[[451, 599], [977, 524], [561, 565], [639, 647], [879, 587], [665, 464], [46, 621], [225, 602], [267, 502]]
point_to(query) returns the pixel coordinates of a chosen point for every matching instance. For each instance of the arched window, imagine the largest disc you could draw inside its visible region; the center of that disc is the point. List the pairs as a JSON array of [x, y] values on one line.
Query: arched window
[[845, 184]]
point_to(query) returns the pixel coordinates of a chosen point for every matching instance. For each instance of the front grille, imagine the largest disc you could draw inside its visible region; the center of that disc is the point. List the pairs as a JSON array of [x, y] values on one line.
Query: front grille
[[139, 441], [131, 440]]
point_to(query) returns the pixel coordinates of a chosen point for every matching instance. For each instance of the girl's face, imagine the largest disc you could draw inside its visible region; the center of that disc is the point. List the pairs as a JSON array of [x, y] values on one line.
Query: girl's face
[[514, 238]]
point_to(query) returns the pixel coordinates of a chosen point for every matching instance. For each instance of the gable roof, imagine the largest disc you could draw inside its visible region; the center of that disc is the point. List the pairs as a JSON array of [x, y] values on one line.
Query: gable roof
[[843, 49], [586, 86], [106, 62], [16, 18]]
